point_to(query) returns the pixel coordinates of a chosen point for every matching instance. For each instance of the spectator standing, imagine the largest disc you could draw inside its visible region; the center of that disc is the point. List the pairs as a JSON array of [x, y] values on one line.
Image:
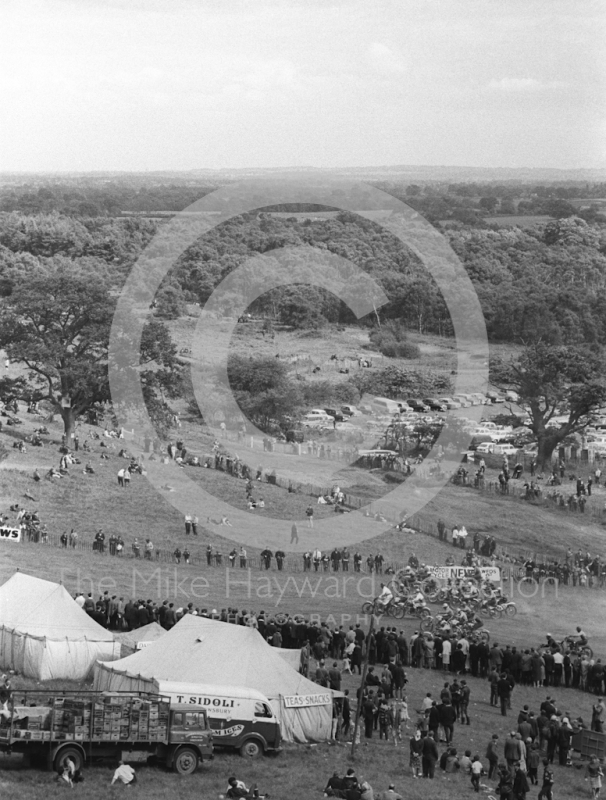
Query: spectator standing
[[504, 693], [477, 770], [492, 754], [429, 756], [546, 792]]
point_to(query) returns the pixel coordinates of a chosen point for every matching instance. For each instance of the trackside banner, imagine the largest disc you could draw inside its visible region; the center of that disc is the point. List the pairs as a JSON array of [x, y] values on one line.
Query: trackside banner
[[446, 573], [306, 700], [10, 534]]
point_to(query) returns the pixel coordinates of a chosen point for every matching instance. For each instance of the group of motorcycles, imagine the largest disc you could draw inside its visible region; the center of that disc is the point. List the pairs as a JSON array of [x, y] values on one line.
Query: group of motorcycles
[[463, 603]]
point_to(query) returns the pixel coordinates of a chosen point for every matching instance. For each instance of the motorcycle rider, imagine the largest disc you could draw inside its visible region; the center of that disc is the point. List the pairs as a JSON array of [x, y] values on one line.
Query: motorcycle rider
[[417, 600], [385, 597]]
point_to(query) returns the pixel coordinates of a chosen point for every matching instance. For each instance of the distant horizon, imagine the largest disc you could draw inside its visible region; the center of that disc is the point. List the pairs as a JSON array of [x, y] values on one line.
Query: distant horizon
[[301, 168]]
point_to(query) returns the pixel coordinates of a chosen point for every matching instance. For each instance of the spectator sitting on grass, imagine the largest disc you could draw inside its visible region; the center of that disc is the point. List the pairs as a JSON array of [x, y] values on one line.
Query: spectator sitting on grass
[[125, 774], [69, 774], [335, 786], [237, 789], [390, 794]]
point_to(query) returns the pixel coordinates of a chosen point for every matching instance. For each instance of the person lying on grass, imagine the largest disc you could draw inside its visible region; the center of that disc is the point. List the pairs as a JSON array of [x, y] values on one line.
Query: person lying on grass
[[237, 789]]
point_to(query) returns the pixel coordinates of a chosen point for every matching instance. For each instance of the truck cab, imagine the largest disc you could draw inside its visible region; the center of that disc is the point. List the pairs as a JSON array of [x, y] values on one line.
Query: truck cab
[[189, 739]]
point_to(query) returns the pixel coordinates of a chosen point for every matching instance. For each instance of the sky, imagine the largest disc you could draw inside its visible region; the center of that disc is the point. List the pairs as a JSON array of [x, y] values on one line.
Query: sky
[[192, 84]]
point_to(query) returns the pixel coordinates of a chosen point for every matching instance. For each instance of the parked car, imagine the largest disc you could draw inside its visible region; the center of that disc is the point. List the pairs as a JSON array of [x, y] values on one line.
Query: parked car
[[449, 402], [418, 406], [495, 397], [497, 449], [435, 404], [349, 411], [462, 400], [505, 450], [345, 426], [315, 419], [476, 441], [336, 415], [485, 447], [482, 430], [472, 399]]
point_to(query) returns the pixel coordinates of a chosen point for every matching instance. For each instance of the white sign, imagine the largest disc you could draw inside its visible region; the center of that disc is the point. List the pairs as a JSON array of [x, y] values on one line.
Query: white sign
[[12, 534], [445, 573], [214, 706], [141, 645], [235, 730], [305, 700]]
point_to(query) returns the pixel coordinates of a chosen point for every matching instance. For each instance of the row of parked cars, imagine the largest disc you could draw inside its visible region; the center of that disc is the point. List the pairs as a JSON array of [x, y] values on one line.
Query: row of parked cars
[[323, 417], [426, 404]]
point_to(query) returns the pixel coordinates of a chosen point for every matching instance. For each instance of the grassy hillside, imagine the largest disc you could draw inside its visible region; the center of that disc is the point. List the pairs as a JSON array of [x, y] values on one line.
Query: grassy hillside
[[301, 772], [87, 503]]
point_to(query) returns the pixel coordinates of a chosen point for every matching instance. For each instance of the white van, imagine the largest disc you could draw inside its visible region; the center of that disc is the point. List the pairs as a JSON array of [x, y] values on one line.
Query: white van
[[240, 719], [383, 405], [316, 418]]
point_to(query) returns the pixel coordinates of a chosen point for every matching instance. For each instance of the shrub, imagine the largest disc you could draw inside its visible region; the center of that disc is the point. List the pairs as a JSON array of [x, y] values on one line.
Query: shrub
[[393, 349], [391, 341]]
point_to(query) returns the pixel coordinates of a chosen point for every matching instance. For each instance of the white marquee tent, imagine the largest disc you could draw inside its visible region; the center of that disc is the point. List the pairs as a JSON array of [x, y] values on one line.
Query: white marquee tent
[[137, 639], [204, 651], [44, 633]]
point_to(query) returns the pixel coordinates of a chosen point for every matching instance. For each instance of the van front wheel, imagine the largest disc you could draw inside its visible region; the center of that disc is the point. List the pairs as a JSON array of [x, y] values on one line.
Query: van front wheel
[[251, 749]]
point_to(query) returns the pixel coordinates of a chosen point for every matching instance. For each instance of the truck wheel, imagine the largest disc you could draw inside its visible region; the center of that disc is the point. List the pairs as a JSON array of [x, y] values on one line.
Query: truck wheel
[[64, 754], [251, 749], [186, 761]]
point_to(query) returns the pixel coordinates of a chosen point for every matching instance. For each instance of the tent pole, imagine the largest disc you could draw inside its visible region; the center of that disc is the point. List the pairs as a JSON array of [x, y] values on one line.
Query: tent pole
[[362, 683]]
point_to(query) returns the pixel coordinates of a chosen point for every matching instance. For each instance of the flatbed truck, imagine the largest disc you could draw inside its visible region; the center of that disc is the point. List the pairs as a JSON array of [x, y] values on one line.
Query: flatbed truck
[[49, 727]]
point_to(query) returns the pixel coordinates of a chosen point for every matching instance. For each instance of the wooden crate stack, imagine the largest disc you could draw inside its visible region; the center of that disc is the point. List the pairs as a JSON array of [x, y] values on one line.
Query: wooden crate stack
[[71, 718]]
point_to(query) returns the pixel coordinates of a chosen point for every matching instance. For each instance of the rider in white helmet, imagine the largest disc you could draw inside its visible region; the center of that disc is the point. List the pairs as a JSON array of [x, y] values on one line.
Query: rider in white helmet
[[386, 596]]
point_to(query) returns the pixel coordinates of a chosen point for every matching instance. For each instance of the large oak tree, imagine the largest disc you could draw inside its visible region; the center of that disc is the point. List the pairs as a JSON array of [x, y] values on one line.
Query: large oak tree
[[58, 324], [560, 388]]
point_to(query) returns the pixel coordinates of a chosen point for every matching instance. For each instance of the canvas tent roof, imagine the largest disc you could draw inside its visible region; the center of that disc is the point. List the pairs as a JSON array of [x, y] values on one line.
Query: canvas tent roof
[[292, 657], [44, 633], [205, 651], [130, 639], [41, 608]]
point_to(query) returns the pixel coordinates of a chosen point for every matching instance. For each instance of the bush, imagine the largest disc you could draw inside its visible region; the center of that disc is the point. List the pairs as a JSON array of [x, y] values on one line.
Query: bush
[[394, 477], [346, 392], [395, 382], [391, 341], [393, 349]]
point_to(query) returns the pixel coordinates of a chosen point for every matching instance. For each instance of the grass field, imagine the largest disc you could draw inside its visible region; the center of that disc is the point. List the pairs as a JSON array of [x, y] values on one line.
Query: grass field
[[89, 502], [518, 220], [301, 772]]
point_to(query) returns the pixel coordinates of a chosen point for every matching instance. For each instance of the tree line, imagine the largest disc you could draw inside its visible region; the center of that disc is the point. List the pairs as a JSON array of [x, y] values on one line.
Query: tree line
[[543, 287]]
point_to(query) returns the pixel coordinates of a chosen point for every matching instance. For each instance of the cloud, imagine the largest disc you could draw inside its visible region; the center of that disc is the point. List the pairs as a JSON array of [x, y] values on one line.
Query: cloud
[[517, 85], [383, 59]]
